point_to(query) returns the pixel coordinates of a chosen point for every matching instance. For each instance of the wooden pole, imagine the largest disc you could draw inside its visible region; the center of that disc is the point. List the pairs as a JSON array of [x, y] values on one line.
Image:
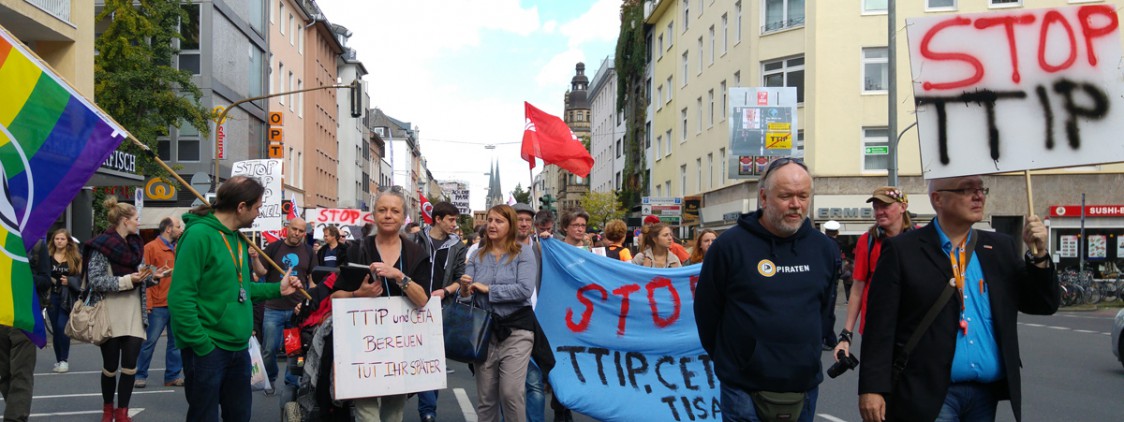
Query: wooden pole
[[1030, 204]]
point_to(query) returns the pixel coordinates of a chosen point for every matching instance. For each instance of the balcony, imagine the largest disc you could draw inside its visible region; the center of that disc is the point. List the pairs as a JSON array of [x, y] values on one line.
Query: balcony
[[781, 24], [57, 8]]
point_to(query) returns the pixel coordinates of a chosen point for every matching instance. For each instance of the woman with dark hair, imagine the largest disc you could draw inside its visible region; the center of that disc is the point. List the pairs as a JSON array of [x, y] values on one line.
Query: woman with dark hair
[[112, 261], [503, 271], [702, 243], [657, 248], [66, 285], [615, 232]]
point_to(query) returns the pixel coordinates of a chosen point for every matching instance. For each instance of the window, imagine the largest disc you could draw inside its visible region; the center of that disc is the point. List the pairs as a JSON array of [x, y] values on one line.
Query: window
[[710, 111], [940, 5], [667, 187], [722, 166], [281, 18], [725, 34], [647, 135], [722, 88], [256, 71], [683, 178], [659, 140], [698, 114], [660, 45], [670, 34], [874, 6], [738, 22], [700, 50], [189, 45], [686, 62], [299, 174], [187, 150], [659, 190], [617, 181], [876, 148], [1005, 3], [667, 139], [785, 73], [300, 42], [647, 96], [292, 30], [781, 14], [683, 128], [164, 149], [687, 14], [669, 90], [619, 147], [281, 82], [738, 78], [659, 97], [291, 96], [875, 73], [710, 170], [698, 175], [712, 44], [300, 99]]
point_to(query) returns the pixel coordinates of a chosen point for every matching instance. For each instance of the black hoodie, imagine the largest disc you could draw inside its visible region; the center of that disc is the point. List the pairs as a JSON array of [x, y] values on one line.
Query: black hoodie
[[760, 303]]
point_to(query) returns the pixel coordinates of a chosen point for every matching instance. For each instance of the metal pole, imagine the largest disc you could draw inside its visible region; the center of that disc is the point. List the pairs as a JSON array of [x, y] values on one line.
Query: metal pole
[[892, 92], [1084, 242]]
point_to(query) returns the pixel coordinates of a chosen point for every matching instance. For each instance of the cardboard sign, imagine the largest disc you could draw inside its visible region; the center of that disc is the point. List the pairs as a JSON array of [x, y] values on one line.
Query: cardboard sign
[[1017, 89], [762, 125], [349, 221], [384, 346], [268, 173]]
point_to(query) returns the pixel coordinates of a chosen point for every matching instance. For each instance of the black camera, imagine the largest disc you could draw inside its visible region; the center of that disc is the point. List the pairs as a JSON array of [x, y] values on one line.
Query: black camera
[[846, 363]]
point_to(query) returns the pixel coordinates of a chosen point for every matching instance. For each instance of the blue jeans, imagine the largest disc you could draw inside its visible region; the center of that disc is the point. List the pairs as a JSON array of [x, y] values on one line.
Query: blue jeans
[[427, 403], [968, 401], [218, 379], [273, 326], [158, 319], [536, 396], [737, 405], [59, 318]]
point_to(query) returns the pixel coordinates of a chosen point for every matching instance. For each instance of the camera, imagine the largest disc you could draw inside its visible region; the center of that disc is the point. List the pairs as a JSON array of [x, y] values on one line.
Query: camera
[[846, 363]]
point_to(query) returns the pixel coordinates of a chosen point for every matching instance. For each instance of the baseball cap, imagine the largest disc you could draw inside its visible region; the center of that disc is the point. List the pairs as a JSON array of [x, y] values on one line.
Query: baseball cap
[[889, 195], [521, 207], [831, 225], [651, 219]]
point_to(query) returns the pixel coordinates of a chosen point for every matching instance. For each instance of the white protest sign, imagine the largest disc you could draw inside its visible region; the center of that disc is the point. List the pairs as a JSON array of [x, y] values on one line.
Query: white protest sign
[[460, 200], [385, 346], [349, 221], [762, 125], [1017, 89], [268, 173]]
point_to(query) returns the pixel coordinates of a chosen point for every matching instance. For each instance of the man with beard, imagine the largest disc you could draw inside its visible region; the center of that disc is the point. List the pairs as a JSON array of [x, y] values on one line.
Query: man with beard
[[161, 252], [761, 301]]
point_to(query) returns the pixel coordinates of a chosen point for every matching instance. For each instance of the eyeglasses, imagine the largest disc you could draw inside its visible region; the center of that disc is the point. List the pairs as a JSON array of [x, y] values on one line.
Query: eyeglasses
[[967, 191], [781, 162]]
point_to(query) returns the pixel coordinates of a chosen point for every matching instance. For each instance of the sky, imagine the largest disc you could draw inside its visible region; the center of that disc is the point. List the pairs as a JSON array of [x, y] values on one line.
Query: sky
[[460, 71]]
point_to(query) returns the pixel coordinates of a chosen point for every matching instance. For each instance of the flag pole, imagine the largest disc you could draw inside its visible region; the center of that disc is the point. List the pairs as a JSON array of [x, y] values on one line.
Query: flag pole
[[530, 172], [261, 253]]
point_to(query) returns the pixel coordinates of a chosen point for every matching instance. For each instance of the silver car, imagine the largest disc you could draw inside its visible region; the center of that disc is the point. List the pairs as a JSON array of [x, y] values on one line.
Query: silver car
[[1117, 338]]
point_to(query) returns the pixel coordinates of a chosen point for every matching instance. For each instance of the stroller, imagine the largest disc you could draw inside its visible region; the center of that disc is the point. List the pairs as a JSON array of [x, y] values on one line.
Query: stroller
[[311, 399]]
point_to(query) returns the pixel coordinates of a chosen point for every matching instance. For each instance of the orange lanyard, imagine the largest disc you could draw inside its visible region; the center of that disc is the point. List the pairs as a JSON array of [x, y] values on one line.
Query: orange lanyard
[[237, 262], [957, 258]]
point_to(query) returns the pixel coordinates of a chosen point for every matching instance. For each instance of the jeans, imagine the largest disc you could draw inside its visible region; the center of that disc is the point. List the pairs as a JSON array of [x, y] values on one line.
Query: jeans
[[59, 317], [218, 379], [968, 401], [536, 395], [737, 405], [273, 328], [17, 373], [427, 403], [158, 319]]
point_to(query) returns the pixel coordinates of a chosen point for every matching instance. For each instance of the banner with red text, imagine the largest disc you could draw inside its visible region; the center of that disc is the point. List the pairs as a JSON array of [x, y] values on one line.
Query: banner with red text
[[1017, 89], [624, 338]]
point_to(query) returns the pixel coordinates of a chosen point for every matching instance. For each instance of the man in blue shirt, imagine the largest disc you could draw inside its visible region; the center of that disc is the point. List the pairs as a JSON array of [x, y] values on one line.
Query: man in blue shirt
[[968, 358]]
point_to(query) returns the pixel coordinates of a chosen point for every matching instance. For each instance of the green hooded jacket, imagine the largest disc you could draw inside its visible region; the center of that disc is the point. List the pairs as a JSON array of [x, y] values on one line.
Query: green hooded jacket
[[203, 297]]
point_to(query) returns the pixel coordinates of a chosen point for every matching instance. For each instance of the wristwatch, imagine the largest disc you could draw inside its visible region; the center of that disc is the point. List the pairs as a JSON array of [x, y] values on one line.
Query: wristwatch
[[1036, 259], [405, 282]]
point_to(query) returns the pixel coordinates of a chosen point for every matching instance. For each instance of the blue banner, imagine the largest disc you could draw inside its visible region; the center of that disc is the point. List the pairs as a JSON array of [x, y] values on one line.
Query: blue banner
[[625, 339]]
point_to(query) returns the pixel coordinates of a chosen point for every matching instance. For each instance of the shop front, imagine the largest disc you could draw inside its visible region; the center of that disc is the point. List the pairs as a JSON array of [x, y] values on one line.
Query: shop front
[[1100, 246]]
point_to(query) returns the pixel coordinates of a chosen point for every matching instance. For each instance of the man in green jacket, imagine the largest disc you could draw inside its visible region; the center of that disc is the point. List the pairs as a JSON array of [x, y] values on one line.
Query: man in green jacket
[[211, 303]]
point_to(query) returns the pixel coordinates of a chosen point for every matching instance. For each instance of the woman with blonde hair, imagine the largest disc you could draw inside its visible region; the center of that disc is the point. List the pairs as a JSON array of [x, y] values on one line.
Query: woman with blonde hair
[[657, 248], [702, 243], [66, 285], [114, 274], [504, 272]]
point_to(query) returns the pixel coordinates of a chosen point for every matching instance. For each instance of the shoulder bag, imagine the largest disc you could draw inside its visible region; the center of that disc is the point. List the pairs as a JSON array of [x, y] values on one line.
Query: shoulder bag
[[88, 323], [468, 328]]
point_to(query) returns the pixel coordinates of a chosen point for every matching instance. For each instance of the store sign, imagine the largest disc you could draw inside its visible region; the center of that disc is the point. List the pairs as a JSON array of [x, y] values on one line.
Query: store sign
[[1068, 246], [669, 210], [121, 161], [863, 213], [1074, 211]]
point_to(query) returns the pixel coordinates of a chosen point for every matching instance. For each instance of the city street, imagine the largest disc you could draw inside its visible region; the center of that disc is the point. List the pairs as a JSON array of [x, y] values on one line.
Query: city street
[[1069, 373]]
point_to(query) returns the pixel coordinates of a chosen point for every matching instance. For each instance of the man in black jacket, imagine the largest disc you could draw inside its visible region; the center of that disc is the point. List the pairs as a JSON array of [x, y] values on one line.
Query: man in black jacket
[[968, 358], [762, 295]]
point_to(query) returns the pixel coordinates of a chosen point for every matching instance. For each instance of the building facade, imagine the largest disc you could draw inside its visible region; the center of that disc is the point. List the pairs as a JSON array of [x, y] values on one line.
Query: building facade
[[353, 150], [287, 20], [607, 131], [321, 163]]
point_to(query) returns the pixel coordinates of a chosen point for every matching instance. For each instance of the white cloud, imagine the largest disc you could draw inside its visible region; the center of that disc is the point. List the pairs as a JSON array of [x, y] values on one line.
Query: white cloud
[[601, 22], [560, 69], [550, 26]]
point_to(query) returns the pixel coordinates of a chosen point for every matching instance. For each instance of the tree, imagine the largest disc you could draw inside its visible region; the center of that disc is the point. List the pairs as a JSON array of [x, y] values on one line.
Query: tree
[[631, 65], [520, 195], [602, 207], [135, 80]]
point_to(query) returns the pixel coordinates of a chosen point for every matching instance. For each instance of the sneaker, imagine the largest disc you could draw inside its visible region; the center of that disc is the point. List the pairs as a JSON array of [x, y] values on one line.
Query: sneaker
[[178, 382], [56, 368], [62, 367], [270, 391], [140, 384]]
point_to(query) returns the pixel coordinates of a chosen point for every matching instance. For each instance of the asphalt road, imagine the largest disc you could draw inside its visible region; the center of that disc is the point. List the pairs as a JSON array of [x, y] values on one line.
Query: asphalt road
[[1069, 373]]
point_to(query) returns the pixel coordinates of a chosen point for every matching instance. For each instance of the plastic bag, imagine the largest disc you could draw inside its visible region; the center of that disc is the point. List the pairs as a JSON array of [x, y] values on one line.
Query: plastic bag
[[258, 380], [292, 341]]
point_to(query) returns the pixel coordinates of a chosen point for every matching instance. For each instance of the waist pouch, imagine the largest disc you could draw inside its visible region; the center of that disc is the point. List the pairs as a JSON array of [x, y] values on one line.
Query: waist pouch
[[773, 406]]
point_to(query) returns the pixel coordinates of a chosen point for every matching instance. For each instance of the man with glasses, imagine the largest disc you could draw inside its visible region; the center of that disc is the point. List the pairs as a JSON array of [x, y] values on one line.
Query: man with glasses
[[967, 359], [290, 252], [761, 301]]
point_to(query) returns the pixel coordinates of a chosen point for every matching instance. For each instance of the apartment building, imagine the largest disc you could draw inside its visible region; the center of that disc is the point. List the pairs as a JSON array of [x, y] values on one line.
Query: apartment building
[[321, 163], [608, 130], [835, 54], [354, 151], [287, 21]]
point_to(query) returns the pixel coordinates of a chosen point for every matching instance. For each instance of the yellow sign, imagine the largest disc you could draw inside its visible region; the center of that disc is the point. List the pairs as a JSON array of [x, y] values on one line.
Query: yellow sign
[[275, 134], [276, 119], [218, 111], [774, 140], [780, 127], [276, 150], [158, 189]]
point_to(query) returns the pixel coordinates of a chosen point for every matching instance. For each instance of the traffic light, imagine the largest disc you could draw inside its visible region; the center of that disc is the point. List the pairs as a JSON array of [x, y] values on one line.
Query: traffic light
[[356, 99], [547, 202]]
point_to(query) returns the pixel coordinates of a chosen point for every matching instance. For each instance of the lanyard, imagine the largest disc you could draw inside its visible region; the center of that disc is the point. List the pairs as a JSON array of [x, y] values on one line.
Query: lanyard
[[959, 268], [238, 263]]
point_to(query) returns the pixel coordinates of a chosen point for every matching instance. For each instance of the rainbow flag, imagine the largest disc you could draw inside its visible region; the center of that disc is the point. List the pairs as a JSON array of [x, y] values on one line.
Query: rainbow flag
[[51, 141]]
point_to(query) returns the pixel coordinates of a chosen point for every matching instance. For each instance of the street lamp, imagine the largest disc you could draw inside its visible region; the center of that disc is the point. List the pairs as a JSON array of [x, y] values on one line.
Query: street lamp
[[892, 173]]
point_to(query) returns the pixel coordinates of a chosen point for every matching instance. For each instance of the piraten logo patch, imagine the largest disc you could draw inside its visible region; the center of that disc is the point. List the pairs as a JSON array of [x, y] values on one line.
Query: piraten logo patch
[[766, 268]]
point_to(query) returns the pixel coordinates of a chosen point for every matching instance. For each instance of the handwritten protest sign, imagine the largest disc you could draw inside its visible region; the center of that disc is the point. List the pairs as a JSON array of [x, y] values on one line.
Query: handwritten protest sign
[[268, 173], [1018, 89], [624, 338], [385, 346], [349, 221]]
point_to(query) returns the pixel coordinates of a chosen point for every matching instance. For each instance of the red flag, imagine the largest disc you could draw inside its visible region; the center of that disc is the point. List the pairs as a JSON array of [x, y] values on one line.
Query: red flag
[[547, 137], [427, 209]]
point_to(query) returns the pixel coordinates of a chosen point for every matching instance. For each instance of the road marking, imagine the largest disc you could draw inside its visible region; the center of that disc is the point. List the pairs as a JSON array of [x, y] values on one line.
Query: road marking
[[132, 413], [63, 396], [44, 374], [1057, 328], [466, 405], [1085, 331], [1032, 325], [829, 417]]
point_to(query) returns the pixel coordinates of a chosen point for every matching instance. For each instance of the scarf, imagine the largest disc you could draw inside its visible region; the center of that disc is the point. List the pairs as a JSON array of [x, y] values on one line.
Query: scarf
[[124, 254]]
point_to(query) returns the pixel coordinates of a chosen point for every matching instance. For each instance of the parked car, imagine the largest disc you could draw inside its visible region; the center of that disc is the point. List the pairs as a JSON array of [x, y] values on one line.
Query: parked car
[[1117, 338]]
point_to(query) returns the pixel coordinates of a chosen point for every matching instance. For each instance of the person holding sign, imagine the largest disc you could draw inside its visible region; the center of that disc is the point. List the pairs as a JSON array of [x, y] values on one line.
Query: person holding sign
[[399, 267], [504, 271], [211, 305], [657, 248], [963, 289], [764, 289]]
